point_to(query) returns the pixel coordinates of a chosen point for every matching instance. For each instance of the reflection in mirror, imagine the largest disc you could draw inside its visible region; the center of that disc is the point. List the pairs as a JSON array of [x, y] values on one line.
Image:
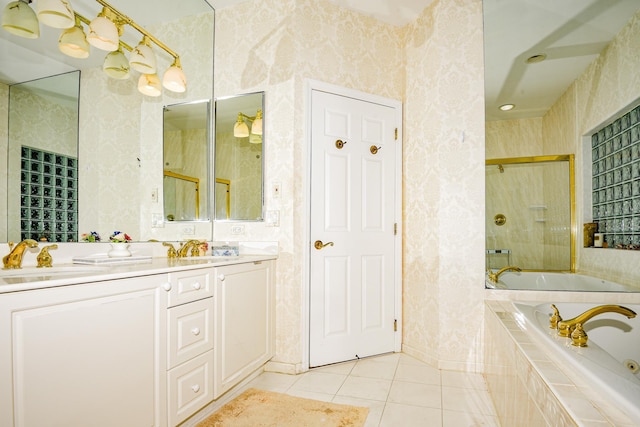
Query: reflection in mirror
[[186, 166], [238, 157], [530, 203], [43, 159], [119, 146]]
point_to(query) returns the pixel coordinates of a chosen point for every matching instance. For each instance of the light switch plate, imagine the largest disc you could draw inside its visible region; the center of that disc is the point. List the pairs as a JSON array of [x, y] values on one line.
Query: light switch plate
[[272, 219]]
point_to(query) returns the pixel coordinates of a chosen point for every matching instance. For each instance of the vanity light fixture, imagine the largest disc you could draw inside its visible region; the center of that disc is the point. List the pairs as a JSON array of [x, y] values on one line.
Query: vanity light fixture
[[142, 57], [18, 18], [149, 84], [507, 107], [73, 41], [241, 130], [116, 65], [104, 33], [56, 13]]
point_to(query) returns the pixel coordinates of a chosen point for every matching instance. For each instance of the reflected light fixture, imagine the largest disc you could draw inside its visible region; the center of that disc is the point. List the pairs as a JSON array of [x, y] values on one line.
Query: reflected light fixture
[[149, 84], [507, 107], [142, 57], [104, 33], [56, 13], [73, 42], [241, 130], [18, 18]]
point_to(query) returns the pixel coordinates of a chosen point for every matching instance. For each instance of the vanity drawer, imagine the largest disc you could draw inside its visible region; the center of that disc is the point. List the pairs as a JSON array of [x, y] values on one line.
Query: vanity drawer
[[190, 387], [187, 286], [190, 331]]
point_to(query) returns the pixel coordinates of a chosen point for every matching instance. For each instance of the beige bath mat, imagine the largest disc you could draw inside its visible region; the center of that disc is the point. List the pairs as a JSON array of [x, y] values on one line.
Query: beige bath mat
[[259, 408]]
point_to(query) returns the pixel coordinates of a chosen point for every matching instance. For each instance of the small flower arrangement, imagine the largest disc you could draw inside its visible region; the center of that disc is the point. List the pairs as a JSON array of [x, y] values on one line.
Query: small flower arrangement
[[119, 237], [91, 237]]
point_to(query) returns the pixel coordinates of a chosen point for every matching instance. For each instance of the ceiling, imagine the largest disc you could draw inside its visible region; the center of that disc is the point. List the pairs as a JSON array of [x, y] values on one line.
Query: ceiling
[[571, 33]]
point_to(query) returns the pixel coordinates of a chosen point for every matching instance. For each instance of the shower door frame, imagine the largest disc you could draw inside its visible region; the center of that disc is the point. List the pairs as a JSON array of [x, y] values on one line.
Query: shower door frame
[[570, 158]]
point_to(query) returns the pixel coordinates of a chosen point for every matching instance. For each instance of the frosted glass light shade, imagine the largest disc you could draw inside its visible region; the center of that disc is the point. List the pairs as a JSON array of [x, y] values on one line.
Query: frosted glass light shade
[[103, 33], [116, 65], [174, 79], [240, 129], [142, 57], [19, 19], [56, 13], [73, 42], [256, 127], [149, 84]]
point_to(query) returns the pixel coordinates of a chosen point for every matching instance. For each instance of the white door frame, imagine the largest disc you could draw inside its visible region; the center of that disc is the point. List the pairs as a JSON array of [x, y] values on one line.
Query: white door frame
[[311, 85]]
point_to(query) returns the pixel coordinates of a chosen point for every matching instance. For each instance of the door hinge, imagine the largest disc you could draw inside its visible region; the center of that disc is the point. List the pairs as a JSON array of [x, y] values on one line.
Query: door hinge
[[396, 134], [395, 325], [395, 228]]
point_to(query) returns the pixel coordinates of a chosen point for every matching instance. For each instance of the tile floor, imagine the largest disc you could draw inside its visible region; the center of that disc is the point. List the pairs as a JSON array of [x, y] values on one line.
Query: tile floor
[[399, 390]]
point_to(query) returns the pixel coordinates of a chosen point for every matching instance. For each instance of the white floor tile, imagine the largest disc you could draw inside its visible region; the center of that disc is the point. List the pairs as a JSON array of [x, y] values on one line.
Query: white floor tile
[[365, 388], [396, 415], [399, 390], [415, 394]]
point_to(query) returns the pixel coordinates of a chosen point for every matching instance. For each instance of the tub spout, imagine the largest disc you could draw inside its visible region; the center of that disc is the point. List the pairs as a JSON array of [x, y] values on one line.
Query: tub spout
[[566, 327], [493, 277]]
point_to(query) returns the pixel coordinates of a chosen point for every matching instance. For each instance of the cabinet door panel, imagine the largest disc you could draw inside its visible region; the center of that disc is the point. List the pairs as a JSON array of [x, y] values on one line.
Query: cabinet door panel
[[190, 330], [244, 322], [86, 355]]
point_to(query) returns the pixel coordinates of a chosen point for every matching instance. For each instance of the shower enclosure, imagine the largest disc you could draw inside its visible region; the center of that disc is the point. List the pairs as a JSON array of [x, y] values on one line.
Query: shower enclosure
[[530, 213]]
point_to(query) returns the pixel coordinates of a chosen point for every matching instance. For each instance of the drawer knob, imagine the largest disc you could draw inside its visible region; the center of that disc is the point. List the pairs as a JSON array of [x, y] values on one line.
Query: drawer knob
[[195, 388], [221, 277], [196, 286], [166, 286], [195, 331]]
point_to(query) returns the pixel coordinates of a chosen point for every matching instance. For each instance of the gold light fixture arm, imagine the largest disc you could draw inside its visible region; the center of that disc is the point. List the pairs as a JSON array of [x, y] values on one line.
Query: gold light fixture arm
[[124, 19]]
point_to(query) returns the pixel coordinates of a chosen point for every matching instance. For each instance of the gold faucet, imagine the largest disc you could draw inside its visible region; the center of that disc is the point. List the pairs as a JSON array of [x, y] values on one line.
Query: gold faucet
[[493, 277], [14, 258], [44, 258], [194, 245], [171, 252], [566, 327]]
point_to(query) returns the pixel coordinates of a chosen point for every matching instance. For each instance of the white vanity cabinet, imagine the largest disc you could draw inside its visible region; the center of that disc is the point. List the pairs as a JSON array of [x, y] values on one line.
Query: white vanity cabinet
[[244, 321], [87, 354], [190, 342]]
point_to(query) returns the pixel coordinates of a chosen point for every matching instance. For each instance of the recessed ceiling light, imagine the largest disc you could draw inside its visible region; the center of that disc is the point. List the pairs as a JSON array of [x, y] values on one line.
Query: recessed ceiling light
[[507, 107], [536, 58]]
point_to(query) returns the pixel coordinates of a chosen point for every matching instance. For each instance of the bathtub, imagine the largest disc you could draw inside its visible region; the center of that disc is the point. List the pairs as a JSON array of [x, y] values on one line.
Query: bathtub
[[609, 364], [546, 281]]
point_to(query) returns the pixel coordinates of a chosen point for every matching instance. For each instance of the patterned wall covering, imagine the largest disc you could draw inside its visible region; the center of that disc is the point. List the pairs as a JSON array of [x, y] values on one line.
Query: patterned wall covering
[[435, 65]]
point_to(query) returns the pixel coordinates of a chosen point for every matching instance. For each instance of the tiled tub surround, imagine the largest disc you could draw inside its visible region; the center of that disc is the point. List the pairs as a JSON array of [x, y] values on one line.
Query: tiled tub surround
[[530, 386]]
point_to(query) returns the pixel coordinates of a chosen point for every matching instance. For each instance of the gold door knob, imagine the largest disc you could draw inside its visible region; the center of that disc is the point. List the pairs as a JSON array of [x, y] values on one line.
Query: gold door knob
[[319, 245]]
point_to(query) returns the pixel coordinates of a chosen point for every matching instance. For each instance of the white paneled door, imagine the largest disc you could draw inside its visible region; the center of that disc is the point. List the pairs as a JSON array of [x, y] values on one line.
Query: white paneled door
[[352, 230]]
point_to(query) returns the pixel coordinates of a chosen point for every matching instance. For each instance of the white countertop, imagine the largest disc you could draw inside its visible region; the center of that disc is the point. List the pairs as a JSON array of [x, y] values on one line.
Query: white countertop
[[64, 272]]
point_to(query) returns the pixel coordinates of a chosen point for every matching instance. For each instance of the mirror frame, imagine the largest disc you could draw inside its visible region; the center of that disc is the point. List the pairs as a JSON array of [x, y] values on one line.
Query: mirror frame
[[570, 158]]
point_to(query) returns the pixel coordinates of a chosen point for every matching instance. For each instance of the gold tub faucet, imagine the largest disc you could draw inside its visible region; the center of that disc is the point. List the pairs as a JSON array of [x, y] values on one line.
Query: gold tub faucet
[[566, 327], [495, 276], [14, 258]]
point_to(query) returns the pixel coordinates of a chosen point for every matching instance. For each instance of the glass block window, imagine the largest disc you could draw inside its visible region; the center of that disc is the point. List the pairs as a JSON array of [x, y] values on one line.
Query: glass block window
[[48, 196], [615, 194]]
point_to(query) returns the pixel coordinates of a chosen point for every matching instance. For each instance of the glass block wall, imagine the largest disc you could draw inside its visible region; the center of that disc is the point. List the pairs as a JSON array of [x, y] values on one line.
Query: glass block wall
[[48, 196], [616, 180]]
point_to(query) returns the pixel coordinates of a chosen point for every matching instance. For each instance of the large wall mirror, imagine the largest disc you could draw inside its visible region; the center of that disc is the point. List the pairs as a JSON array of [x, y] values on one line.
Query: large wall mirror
[[119, 128], [546, 88], [186, 138], [239, 145]]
